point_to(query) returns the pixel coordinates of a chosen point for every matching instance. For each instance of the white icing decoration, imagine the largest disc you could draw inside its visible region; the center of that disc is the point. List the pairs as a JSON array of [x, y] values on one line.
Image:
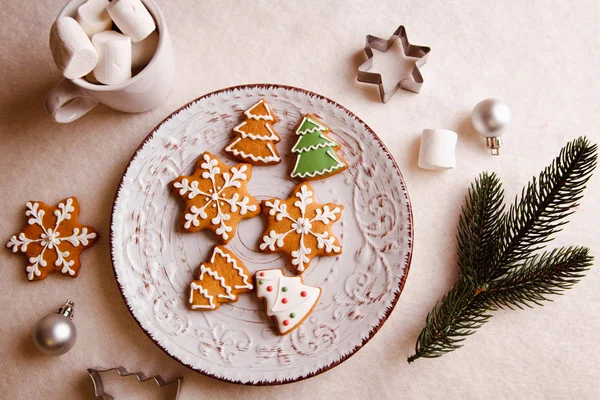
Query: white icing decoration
[[204, 293], [300, 306], [323, 240], [50, 239], [327, 171], [272, 137], [236, 152], [319, 127], [302, 226], [215, 196], [278, 209], [268, 117], [316, 146], [230, 260], [326, 215], [300, 256], [204, 269]]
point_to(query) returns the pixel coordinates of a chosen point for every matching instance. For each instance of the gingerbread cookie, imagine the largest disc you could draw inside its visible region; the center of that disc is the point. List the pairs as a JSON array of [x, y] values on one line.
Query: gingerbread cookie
[[301, 227], [316, 156], [53, 239], [287, 299], [215, 197], [255, 137], [220, 281]]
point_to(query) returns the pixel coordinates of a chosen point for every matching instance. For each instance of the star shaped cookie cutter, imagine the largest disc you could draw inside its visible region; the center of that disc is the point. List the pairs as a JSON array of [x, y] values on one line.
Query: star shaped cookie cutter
[[100, 393], [411, 81]]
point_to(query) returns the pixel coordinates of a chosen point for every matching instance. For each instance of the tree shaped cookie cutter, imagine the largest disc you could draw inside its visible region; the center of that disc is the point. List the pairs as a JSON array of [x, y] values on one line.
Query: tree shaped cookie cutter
[[100, 393], [411, 80]]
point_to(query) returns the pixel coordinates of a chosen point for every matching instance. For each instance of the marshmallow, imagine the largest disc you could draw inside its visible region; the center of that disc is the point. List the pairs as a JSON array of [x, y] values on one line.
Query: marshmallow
[[142, 52], [92, 79], [132, 18], [437, 149], [93, 17], [114, 57], [72, 50]]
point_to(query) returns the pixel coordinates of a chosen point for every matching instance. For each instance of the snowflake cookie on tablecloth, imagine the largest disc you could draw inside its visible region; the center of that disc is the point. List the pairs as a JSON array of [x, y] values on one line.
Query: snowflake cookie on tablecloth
[[215, 197], [287, 299], [300, 227], [53, 239], [220, 281]]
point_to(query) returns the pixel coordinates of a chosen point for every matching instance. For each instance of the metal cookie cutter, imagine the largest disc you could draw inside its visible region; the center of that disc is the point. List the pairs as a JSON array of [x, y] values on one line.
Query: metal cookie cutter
[[411, 80], [99, 386]]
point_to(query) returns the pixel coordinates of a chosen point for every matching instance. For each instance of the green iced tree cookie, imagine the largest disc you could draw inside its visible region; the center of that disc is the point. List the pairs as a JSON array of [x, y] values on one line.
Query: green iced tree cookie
[[316, 156]]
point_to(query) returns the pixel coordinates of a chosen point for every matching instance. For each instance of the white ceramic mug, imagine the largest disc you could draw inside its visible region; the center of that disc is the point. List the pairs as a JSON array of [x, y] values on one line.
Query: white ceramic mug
[[73, 98]]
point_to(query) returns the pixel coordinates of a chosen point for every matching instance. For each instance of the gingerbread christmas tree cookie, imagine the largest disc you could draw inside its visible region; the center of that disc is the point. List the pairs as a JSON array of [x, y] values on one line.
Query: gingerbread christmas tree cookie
[[287, 299], [215, 197], [300, 227], [255, 137], [220, 281], [53, 239], [316, 156]]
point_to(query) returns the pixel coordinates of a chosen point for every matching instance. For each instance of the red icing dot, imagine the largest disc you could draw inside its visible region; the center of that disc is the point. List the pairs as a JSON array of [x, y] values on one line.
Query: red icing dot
[[262, 274], [286, 322], [284, 300], [269, 288], [303, 293]]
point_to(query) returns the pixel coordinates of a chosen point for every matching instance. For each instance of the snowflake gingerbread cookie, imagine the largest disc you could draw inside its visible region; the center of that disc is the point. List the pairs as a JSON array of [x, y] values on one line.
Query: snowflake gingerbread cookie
[[287, 299], [255, 137], [215, 197], [53, 239], [300, 227], [220, 281], [316, 156]]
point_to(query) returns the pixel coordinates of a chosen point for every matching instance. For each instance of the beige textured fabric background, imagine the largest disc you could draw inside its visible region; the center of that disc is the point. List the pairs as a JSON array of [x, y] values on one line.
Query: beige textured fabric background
[[541, 57]]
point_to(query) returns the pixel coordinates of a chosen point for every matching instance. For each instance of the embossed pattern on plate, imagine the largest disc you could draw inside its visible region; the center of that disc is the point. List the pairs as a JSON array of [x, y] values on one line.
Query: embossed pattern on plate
[[154, 262]]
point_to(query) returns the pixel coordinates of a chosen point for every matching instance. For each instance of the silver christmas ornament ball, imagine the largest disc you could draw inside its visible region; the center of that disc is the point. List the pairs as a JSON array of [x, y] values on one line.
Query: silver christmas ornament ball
[[490, 117], [55, 334]]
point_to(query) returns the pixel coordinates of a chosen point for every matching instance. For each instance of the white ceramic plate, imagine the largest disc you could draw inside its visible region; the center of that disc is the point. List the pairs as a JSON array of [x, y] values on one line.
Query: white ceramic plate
[[154, 262]]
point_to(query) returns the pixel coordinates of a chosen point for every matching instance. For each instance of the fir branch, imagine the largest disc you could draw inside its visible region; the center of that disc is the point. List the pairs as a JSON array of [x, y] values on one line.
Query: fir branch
[[544, 204], [450, 322], [478, 228], [498, 268], [548, 274]]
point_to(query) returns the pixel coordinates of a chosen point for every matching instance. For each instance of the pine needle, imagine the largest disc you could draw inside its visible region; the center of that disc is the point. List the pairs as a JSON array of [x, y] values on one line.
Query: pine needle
[[497, 257]]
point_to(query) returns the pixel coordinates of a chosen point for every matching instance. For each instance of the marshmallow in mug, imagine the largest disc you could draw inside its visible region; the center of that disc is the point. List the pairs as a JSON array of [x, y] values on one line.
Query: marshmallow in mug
[[93, 17], [132, 18], [437, 151], [71, 48], [114, 57], [142, 52]]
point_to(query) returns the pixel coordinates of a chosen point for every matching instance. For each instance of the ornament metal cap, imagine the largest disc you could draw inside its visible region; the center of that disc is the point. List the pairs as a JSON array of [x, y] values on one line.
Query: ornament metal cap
[[494, 144], [67, 309]]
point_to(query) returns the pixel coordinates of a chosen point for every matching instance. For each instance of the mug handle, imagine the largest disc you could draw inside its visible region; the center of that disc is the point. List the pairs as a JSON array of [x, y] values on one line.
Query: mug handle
[[66, 102]]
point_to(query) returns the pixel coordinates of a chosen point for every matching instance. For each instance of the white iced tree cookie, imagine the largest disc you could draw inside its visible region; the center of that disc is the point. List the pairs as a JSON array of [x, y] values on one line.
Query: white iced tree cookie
[[215, 197], [53, 239], [255, 138], [287, 299], [220, 281], [300, 227]]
